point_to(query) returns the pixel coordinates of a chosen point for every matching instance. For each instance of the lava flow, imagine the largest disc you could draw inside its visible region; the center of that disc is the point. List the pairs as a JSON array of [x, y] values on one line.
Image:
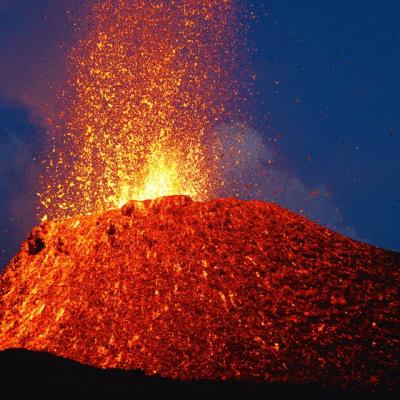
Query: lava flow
[[146, 82], [221, 289]]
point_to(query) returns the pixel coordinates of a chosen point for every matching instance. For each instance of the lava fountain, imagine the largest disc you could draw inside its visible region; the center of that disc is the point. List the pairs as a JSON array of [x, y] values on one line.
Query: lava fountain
[[145, 83]]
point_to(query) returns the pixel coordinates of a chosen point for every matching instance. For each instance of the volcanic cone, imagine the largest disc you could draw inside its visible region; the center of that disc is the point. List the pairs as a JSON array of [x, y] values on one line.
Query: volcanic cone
[[222, 289]]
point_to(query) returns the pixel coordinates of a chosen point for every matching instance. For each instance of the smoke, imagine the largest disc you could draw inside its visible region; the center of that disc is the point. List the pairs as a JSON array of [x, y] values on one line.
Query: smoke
[[35, 37], [19, 173], [4, 4], [246, 169]]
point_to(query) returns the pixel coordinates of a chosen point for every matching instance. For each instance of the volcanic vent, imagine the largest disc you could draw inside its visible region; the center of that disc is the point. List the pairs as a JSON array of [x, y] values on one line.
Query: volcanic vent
[[222, 289]]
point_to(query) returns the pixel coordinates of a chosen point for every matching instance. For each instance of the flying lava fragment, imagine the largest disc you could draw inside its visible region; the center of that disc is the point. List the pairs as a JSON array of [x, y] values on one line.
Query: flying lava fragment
[[146, 81]]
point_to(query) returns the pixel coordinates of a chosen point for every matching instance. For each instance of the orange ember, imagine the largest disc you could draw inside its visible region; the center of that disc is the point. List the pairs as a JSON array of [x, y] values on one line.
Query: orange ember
[[218, 290], [146, 82]]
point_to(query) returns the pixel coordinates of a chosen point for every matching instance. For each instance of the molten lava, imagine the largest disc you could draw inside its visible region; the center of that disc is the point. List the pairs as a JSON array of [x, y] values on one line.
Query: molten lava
[[222, 289], [147, 80]]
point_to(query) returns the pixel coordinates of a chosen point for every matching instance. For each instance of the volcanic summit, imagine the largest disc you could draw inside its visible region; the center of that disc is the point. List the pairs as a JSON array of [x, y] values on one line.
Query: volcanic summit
[[225, 289]]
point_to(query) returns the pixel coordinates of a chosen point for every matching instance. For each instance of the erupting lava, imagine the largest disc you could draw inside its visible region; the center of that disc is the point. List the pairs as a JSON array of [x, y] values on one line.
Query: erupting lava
[[185, 289], [146, 82]]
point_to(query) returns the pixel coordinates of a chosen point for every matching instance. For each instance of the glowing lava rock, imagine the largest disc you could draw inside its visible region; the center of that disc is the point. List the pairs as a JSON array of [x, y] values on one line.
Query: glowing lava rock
[[223, 289]]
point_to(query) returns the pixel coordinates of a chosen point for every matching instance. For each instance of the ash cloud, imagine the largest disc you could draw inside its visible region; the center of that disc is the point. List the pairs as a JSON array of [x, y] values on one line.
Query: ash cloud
[[35, 38], [19, 177], [247, 170], [4, 4]]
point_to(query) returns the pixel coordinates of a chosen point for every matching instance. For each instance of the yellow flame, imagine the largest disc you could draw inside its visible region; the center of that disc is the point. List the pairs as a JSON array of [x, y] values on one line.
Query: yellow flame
[[163, 179]]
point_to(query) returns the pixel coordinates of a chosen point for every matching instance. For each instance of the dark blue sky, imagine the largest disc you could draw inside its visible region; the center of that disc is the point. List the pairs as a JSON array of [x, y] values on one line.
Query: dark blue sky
[[337, 101], [328, 77]]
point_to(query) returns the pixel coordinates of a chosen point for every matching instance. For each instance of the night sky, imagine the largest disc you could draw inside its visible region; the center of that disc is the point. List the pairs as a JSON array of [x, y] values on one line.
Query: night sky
[[326, 112]]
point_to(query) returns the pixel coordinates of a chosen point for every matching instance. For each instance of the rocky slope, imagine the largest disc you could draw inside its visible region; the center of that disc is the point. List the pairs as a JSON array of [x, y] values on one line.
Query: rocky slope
[[217, 290]]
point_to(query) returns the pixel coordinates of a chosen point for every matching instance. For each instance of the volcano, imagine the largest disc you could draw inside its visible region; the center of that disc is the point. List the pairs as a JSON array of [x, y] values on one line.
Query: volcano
[[225, 289]]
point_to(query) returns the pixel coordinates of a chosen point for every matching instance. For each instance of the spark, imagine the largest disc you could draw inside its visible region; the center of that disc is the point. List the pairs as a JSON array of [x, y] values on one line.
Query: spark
[[145, 83]]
